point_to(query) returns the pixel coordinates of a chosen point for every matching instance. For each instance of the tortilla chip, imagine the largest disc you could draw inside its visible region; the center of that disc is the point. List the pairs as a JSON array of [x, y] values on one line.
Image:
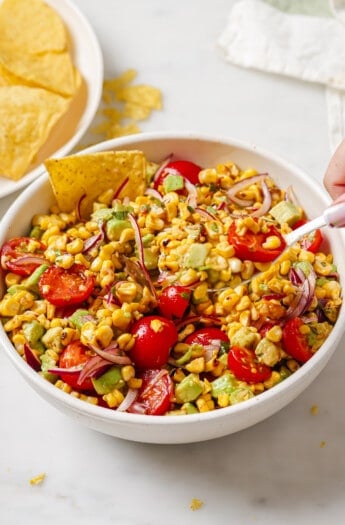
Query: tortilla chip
[[52, 71], [27, 116], [78, 180], [31, 26]]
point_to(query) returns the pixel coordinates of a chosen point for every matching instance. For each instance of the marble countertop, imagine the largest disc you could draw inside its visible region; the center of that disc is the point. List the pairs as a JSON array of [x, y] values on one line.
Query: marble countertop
[[289, 469]]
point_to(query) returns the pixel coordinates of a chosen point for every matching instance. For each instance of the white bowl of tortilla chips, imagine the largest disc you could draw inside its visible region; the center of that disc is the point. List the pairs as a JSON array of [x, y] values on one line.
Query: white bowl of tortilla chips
[[51, 77], [205, 151]]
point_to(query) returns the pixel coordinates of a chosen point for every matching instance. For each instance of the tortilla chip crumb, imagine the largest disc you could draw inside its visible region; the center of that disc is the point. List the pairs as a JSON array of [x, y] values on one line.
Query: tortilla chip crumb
[[322, 444], [123, 105], [37, 480], [196, 504], [314, 410]]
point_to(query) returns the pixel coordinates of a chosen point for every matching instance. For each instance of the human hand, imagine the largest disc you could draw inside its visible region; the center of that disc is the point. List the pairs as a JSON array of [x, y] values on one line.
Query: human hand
[[334, 179]]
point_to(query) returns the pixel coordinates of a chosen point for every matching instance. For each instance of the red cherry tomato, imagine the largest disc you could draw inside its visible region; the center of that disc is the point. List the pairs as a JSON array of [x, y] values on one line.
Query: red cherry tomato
[[312, 241], [181, 167], [295, 342], [155, 393], [174, 301], [244, 365], [74, 355], [154, 336], [17, 256], [65, 287], [206, 336], [249, 246]]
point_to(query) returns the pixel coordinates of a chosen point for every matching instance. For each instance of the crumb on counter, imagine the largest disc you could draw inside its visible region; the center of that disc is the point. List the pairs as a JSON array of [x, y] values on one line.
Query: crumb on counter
[[322, 444], [314, 410], [37, 480], [196, 504]]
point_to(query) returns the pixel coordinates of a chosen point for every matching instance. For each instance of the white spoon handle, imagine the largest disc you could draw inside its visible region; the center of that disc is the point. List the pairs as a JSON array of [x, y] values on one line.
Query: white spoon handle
[[333, 216]]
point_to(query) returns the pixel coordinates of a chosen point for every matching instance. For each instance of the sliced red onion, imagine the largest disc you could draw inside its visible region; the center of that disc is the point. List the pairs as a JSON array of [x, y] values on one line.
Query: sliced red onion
[[128, 400], [78, 207], [95, 240], [206, 214], [291, 196], [140, 247], [194, 319], [120, 188], [137, 235], [266, 203], [192, 198], [303, 297], [162, 167], [31, 358], [296, 276], [93, 367], [153, 193], [244, 183], [112, 354], [61, 370], [30, 259]]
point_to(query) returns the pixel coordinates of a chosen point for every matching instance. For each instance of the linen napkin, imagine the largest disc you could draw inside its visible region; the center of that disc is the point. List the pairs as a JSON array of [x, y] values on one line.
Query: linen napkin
[[304, 46]]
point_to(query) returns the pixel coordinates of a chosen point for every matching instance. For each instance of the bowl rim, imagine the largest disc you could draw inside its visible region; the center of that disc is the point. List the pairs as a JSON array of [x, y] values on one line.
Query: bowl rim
[[110, 416]]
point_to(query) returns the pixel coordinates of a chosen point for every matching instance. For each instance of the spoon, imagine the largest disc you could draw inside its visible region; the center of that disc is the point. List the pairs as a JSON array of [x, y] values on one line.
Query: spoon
[[333, 216]]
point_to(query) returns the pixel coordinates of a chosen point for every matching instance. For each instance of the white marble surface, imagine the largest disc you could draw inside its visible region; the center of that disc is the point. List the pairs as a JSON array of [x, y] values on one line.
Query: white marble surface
[[275, 472]]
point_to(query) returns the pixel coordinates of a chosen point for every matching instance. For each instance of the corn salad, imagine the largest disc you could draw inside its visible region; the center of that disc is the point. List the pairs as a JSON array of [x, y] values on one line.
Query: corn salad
[[175, 302]]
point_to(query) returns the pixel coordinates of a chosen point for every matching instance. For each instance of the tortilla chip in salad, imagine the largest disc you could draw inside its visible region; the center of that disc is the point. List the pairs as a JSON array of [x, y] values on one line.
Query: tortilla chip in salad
[[78, 180]]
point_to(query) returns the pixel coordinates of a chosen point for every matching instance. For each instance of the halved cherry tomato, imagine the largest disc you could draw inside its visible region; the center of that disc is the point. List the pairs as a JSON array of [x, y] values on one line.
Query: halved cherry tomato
[[17, 256], [250, 245], [312, 241], [155, 393], [73, 355], [295, 342], [245, 366], [174, 301], [206, 336], [65, 287], [182, 167], [153, 338]]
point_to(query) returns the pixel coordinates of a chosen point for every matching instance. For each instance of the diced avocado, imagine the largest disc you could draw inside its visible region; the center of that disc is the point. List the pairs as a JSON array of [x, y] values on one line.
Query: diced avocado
[[147, 239], [196, 255], [268, 352], [189, 389], [240, 394], [224, 384], [79, 317], [245, 337], [286, 212], [317, 335], [186, 357], [114, 228], [111, 379], [47, 362], [173, 183], [33, 332], [150, 259], [284, 372], [305, 266], [31, 283], [102, 214], [189, 408], [36, 232]]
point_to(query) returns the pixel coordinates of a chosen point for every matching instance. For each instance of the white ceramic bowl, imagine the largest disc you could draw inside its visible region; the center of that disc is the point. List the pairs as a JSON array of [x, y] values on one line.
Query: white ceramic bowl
[[197, 427], [87, 56]]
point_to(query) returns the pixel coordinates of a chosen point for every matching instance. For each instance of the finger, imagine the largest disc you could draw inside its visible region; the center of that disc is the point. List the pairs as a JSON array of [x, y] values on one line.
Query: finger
[[334, 179]]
